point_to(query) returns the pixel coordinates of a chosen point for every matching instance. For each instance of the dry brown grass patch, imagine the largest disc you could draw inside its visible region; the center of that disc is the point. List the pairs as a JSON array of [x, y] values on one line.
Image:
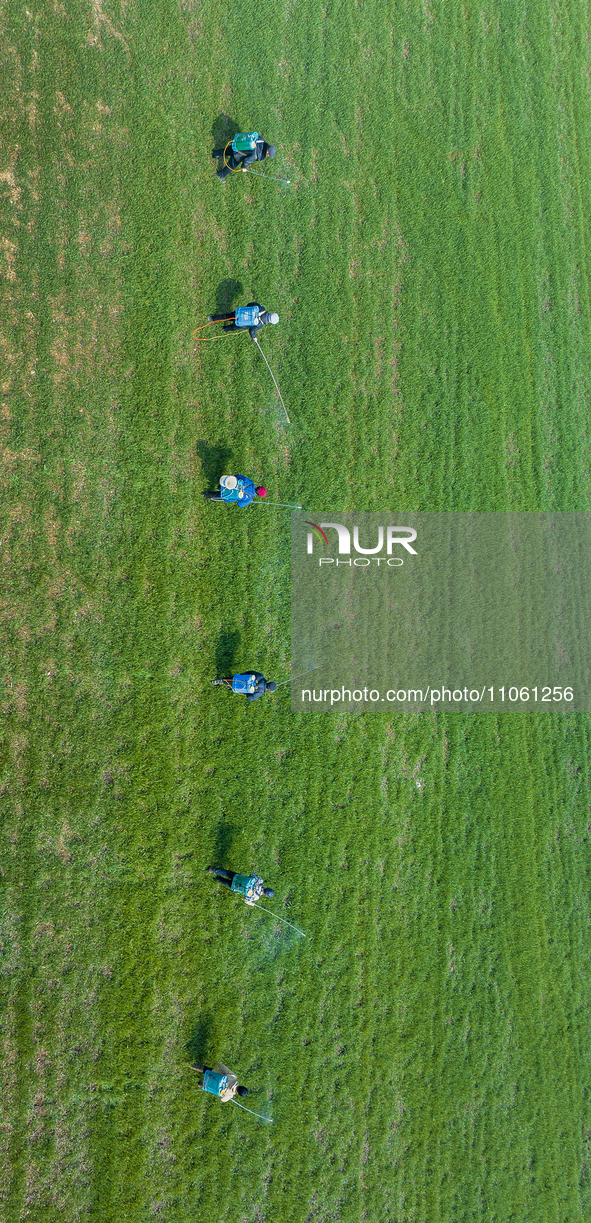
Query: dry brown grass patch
[[7, 176], [100, 19]]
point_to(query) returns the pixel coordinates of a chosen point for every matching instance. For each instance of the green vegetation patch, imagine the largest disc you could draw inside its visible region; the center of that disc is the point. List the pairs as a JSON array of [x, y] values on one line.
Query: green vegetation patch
[[423, 1052]]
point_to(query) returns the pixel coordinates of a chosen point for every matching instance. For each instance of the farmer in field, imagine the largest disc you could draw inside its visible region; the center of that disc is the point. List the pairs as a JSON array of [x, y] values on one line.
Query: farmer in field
[[249, 318], [237, 490], [250, 684], [250, 887], [242, 152], [221, 1082]]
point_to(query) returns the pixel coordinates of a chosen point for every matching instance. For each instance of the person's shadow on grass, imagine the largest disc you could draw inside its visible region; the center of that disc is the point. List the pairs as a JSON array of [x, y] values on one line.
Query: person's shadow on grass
[[224, 836], [223, 129], [199, 1040], [226, 648], [227, 292], [214, 462]]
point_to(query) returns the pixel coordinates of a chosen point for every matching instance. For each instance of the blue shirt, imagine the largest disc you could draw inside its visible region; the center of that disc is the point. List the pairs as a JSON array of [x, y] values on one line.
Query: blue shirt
[[243, 494]]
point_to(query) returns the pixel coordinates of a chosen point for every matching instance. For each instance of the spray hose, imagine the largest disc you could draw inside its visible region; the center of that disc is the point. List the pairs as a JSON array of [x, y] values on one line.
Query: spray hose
[[203, 339], [273, 377], [239, 169], [269, 1120], [278, 918]]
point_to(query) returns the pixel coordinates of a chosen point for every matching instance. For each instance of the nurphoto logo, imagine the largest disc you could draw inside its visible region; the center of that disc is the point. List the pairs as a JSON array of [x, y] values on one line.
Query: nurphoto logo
[[402, 536]]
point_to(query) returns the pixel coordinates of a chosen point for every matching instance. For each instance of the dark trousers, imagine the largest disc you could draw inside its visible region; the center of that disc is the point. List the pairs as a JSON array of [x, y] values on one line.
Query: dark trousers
[[225, 877], [224, 318], [229, 321], [213, 496], [233, 160]]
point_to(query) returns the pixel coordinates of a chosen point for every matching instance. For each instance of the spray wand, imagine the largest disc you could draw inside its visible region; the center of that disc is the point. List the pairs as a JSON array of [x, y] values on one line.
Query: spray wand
[[269, 1120], [294, 677], [286, 505], [245, 170], [273, 177], [273, 377], [285, 923]]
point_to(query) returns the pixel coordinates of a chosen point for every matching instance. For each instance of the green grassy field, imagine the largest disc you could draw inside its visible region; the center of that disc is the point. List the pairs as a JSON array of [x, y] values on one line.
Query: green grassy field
[[424, 1053]]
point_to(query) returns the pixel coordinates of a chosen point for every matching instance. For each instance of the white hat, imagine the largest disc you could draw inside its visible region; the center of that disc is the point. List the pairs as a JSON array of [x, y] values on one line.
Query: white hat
[[274, 318], [229, 482]]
